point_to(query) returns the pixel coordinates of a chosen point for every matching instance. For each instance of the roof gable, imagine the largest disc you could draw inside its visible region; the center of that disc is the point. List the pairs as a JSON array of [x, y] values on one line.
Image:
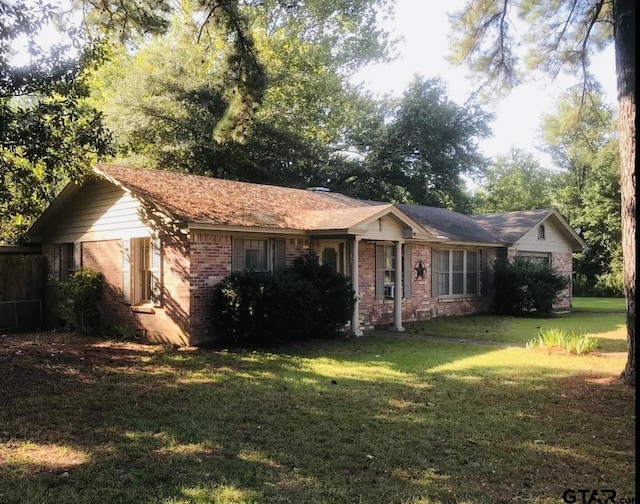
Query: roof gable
[[511, 227]]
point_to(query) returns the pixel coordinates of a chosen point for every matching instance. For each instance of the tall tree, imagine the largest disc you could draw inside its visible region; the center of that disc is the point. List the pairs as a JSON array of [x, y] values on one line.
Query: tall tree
[[516, 182], [563, 34], [164, 101], [582, 142], [418, 149], [48, 135]]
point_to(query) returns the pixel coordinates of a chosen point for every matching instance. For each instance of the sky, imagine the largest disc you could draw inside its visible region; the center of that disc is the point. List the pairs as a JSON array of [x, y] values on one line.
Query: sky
[[424, 27]]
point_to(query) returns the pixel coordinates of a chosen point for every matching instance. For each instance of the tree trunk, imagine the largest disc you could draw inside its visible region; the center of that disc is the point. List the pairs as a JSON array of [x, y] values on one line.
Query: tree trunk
[[624, 12]]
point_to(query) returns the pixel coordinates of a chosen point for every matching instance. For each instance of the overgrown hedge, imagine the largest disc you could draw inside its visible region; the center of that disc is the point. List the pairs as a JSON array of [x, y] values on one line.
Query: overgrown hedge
[[76, 300], [525, 287], [306, 300]]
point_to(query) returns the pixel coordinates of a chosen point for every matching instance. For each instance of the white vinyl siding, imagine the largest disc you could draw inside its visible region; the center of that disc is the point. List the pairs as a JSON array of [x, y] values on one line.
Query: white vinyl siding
[[456, 273], [554, 240], [99, 211]]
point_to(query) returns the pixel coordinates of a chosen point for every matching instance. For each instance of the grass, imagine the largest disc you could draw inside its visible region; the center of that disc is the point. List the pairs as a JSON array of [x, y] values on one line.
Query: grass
[[591, 304], [563, 340], [376, 419], [607, 327]]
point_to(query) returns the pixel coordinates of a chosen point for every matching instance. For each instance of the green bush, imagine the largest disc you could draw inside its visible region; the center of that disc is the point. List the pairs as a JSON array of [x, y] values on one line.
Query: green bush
[[568, 341], [525, 287], [76, 300], [335, 297], [303, 301], [609, 285]]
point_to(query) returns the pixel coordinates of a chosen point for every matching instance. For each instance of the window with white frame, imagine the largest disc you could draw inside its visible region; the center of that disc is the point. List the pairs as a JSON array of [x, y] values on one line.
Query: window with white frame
[[142, 265], [389, 261], [386, 263], [543, 258], [141, 270], [456, 272]]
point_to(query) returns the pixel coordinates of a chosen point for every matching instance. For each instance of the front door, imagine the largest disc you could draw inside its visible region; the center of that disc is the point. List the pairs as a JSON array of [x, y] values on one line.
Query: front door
[[332, 254]]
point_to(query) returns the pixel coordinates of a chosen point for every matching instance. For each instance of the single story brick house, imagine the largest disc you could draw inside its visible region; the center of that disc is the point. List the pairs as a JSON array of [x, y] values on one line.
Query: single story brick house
[[164, 239]]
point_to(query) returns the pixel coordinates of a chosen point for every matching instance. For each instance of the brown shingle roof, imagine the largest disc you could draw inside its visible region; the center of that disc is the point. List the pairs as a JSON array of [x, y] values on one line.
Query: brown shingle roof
[[206, 200]]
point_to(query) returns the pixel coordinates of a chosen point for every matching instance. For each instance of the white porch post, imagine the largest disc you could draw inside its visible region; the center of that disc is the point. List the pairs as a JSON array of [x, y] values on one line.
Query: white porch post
[[355, 273], [397, 291]]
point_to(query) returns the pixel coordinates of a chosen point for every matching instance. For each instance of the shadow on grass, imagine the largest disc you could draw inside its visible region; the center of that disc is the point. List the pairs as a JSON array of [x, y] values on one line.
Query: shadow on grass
[[370, 420]]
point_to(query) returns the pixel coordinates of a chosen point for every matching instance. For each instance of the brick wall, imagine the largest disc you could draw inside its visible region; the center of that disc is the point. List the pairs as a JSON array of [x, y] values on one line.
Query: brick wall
[[295, 247], [210, 256], [563, 264], [168, 323], [420, 305]]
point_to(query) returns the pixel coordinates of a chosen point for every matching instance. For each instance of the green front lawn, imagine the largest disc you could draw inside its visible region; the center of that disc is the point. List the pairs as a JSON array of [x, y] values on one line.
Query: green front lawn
[[378, 419], [592, 304], [608, 327]]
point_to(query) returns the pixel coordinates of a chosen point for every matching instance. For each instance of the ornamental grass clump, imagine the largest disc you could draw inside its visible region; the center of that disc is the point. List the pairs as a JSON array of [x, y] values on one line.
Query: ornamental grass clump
[[564, 340]]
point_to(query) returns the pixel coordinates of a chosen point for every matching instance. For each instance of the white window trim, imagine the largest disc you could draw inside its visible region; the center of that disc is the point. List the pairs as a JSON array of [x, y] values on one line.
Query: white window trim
[[465, 274], [132, 289]]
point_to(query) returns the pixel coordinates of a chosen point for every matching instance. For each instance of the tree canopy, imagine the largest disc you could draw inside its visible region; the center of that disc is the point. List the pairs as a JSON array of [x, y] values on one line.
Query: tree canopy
[[582, 141], [557, 36], [418, 150], [515, 182], [48, 135]]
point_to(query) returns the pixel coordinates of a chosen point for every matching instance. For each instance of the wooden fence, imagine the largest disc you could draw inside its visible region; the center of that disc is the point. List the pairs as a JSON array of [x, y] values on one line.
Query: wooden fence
[[23, 281]]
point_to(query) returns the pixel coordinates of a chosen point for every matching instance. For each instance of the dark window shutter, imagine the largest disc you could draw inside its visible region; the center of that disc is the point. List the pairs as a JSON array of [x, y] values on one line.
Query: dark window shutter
[[156, 272], [407, 258], [379, 272], [434, 273], [126, 270], [279, 254], [237, 255], [77, 256]]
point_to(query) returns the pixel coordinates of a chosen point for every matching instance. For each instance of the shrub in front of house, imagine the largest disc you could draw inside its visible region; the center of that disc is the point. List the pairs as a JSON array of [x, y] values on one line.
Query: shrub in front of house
[[335, 297], [524, 287], [76, 300], [303, 301]]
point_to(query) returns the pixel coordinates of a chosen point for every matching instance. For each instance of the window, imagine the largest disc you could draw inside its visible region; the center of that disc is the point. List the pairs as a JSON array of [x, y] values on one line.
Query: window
[[386, 263], [389, 273], [255, 255], [258, 254], [456, 272], [70, 259], [141, 271], [541, 232], [538, 257]]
